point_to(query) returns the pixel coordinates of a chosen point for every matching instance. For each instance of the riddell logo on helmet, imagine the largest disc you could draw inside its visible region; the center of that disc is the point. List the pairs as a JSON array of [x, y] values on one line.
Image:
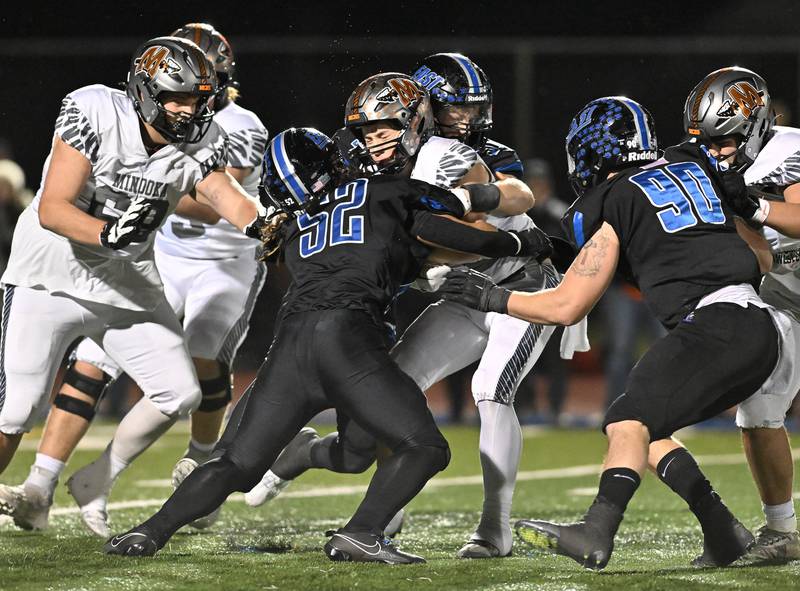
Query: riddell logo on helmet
[[476, 98], [154, 58], [746, 96], [644, 156]]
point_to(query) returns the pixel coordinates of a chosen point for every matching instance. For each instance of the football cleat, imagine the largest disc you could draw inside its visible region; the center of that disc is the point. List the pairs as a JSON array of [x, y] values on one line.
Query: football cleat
[[773, 547], [270, 487], [136, 542], [182, 469], [477, 548], [29, 506], [395, 526], [90, 486], [584, 542], [364, 547], [724, 542]]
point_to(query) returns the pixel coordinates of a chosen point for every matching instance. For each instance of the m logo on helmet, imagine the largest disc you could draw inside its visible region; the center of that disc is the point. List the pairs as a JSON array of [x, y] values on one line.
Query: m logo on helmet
[[406, 91], [746, 96], [154, 58]]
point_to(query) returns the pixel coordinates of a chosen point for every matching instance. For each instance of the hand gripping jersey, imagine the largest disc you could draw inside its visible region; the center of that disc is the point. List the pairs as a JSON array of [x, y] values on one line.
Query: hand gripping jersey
[[444, 162], [358, 250], [777, 167], [678, 240], [183, 237], [102, 124]]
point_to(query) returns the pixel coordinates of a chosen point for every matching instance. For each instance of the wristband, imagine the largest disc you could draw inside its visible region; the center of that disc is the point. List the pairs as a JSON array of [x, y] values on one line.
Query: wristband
[[760, 215]]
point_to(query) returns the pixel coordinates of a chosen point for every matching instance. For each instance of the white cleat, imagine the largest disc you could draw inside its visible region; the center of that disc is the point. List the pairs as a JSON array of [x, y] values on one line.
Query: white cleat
[[182, 469], [28, 506], [477, 548], [90, 487], [270, 487]]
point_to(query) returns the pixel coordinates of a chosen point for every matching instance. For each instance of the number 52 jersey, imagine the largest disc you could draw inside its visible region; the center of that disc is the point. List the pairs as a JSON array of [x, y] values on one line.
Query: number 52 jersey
[[102, 124], [678, 239]]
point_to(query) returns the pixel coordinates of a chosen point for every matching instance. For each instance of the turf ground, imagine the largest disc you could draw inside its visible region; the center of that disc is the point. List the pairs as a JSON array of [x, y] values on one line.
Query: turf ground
[[278, 546]]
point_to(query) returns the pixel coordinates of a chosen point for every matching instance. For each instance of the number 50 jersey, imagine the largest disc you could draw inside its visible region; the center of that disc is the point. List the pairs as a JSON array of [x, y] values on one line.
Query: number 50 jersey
[[678, 240], [102, 124]]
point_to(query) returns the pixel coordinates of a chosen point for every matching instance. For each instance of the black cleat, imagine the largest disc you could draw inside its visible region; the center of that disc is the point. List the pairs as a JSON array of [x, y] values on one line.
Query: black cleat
[[723, 543], [584, 542], [364, 547], [135, 542]]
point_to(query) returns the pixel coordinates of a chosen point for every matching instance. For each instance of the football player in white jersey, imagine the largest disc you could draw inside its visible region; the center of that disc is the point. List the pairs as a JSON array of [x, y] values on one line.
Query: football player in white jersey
[[731, 112], [448, 337], [82, 264]]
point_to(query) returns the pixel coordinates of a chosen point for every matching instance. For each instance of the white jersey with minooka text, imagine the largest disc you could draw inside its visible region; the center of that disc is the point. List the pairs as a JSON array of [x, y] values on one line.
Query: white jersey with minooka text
[[444, 162], [102, 124], [191, 239]]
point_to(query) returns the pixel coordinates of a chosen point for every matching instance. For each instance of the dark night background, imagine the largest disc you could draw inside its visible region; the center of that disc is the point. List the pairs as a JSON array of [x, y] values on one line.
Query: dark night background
[[298, 61]]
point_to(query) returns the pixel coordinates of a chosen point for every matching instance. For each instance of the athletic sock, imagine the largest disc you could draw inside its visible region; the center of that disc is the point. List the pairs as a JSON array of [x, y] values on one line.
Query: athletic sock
[[199, 452], [500, 450], [44, 474], [679, 471], [781, 517], [617, 486]]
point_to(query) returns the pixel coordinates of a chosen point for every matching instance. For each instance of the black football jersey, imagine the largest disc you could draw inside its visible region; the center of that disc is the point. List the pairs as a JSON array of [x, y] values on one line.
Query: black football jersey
[[358, 250], [500, 158], [678, 240]]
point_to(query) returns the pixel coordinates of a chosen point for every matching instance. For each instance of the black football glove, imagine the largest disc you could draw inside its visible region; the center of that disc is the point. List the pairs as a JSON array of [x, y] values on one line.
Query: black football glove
[[736, 196], [534, 243], [126, 229], [483, 197], [253, 229], [475, 290]]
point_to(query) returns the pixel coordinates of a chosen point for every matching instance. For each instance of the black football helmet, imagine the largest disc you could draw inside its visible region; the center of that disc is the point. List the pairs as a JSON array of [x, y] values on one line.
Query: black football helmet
[[461, 95], [299, 167], [608, 134], [172, 64], [219, 52]]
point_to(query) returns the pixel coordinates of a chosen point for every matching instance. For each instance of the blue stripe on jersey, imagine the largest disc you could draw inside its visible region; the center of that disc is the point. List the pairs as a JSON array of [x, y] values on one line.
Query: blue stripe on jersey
[[577, 228], [641, 123], [286, 170], [471, 73]]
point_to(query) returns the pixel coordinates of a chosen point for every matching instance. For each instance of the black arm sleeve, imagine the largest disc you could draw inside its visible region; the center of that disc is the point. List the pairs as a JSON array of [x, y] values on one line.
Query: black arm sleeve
[[449, 234]]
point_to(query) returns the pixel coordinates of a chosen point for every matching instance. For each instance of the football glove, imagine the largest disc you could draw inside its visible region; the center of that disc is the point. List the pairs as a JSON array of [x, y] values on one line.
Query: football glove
[[253, 229], [475, 290], [533, 243], [127, 228], [739, 199]]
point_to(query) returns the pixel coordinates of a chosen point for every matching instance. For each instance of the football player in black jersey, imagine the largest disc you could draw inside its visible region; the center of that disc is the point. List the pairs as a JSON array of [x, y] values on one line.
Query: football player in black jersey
[[348, 247], [664, 226]]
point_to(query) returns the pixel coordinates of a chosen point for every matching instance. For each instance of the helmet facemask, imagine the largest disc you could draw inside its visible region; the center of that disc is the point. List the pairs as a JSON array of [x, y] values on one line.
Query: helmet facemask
[[469, 124]]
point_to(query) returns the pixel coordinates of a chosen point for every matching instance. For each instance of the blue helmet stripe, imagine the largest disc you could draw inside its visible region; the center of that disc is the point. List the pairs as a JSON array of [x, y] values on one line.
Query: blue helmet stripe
[[641, 122], [285, 168], [472, 75]]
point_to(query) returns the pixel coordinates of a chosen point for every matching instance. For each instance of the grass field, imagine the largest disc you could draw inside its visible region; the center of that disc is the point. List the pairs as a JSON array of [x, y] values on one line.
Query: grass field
[[278, 546]]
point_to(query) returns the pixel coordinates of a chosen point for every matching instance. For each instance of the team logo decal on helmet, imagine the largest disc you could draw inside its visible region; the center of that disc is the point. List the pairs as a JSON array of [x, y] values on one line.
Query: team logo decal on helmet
[[608, 134], [155, 58], [731, 102]]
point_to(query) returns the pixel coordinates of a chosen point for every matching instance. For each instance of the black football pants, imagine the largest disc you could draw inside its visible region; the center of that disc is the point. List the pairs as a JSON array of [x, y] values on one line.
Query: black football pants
[[319, 360]]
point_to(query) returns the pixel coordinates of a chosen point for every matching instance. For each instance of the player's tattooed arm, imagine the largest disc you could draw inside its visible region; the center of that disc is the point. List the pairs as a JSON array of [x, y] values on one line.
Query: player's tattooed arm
[[584, 283]]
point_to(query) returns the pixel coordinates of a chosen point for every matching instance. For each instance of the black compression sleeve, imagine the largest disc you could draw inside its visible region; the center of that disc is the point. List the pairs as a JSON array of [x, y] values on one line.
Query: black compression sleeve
[[457, 236]]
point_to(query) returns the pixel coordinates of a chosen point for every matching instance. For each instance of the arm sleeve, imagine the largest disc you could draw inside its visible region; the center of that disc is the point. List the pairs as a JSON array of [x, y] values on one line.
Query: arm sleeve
[[419, 195], [246, 148], [73, 126], [461, 237]]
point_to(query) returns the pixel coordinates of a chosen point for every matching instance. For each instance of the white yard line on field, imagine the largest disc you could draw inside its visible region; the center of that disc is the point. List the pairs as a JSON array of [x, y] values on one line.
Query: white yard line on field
[[443, 482]]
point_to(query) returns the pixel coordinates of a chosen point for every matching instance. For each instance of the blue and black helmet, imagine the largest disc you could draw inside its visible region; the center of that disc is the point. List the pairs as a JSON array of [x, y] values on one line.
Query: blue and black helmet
[[454, 80], [608, 134], [300, 165]]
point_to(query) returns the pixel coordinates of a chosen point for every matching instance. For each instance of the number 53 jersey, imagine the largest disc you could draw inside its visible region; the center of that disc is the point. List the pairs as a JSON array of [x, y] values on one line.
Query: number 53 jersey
[[102, 124], [678, 240]]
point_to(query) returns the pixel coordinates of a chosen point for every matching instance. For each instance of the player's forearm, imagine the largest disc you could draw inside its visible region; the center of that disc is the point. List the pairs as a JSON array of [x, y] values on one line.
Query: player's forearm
[[548, 306], [65, 219], [785, 218], [225, 196], [516, 197], [441, 231], [188, 207]]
